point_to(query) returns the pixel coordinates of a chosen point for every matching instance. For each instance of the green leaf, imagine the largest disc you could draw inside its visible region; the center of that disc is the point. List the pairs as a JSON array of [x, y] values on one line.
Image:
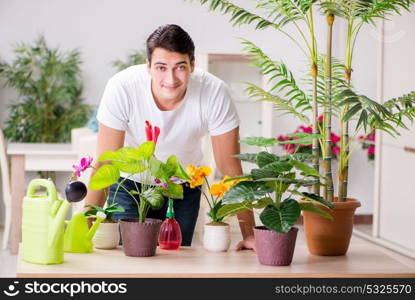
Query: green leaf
[[258, 141], [238, 177], [316, 199], [174, 191], [307, 170], [232, 209], [145, 150], [153, 197], [281, 219], [246, 191], [248, 157], [264, 158], [278, 167], [258, 174], [105, 176], [126, 159], [314, 209], [179, 172]]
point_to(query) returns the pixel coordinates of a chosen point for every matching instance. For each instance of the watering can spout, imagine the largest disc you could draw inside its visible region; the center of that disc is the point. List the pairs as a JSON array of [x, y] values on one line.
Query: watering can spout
[[100, 216]]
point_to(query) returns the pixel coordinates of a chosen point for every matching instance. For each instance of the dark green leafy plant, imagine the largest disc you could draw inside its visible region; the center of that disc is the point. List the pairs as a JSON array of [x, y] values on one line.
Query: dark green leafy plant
[[49, 90], [266, 185]]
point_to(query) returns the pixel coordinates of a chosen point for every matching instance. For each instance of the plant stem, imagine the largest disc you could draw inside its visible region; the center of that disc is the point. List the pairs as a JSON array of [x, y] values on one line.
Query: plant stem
[[314, 73], [328, 188]]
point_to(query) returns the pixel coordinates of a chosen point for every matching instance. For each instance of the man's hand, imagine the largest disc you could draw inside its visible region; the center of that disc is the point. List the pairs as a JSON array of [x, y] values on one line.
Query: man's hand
[[248, 243]]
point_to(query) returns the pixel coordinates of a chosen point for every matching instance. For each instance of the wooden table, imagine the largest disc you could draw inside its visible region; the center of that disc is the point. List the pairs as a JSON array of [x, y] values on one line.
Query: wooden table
[[33, 157], [361, 261]]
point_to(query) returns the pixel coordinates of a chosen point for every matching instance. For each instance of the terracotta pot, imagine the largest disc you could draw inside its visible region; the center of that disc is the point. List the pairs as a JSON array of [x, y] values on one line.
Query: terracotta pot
[[139, 239], [216, 237], [330, 237], [274, 248], [107, 236]]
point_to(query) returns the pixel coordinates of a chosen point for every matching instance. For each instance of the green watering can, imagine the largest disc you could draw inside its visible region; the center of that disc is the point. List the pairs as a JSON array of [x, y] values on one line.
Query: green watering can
[[78, 237], [43, 224]]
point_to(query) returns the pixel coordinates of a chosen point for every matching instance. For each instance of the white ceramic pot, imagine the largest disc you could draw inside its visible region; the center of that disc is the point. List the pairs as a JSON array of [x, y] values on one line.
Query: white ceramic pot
[[216, 238], [107, 236]]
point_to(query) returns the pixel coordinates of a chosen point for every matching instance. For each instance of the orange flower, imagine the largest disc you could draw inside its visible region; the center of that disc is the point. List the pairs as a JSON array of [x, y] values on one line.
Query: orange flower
[[219, 189], [197, 174]]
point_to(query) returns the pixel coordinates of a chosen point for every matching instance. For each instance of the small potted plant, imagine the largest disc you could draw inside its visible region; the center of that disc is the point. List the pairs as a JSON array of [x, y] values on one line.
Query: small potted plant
[[216, 235], [107, 235], [273, 186], [139, 236]]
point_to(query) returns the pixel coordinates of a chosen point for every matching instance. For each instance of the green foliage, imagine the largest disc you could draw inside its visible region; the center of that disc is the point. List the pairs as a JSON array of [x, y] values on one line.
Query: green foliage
[[274, 176], [135, 57], [49, 89], [258, 141], [141, 161], [108, 211]]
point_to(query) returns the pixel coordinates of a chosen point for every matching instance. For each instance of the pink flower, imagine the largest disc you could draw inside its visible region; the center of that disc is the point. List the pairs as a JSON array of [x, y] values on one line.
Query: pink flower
[[372, 137], [371, 150], [335, 138], [306, 129], [84, 164], [320, 118], [336, 150], [165, 185], [280, 138], [157, 181]]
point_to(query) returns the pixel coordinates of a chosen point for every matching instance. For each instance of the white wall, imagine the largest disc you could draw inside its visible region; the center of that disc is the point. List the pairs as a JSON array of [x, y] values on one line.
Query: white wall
[[106, 30]]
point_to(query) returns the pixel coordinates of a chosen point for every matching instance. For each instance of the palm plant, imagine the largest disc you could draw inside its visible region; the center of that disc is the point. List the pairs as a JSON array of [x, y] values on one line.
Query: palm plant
[[339, 97], [49, 88], [135, 57]]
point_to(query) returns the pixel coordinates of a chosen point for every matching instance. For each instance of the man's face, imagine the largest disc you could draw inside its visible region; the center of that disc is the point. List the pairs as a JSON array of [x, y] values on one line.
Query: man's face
[[170, 73]]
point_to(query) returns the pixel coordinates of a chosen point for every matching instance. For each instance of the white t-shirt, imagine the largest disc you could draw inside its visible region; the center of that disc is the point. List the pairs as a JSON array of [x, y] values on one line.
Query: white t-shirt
[[128, 102]]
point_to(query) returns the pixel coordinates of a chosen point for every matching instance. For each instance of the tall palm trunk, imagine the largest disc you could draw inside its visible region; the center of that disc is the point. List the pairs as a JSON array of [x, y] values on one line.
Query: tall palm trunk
[[316, 129], [328, 188], [343, 172]]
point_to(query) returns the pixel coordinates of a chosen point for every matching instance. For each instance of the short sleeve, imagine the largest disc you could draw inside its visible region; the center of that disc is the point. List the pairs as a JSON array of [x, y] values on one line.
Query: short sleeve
[[222, 114], [114, 106]]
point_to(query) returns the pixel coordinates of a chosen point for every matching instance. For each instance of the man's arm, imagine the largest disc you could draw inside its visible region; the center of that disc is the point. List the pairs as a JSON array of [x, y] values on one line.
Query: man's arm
[[108, 140], [225, 146]]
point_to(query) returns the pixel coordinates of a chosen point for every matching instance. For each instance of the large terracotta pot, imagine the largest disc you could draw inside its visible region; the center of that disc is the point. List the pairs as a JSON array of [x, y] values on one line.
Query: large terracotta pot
[[274, 248], [216, 237], [330, 237], [139, 239]]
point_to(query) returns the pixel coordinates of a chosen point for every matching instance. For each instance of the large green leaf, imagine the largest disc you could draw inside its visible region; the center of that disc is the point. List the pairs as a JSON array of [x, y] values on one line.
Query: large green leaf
[[126, 159], [258, 141], [303, 138], [248, 157], [258, 174], [307, 170], [283, 218], [278, 167], [315, 199], [235, 208], [264, 158], [174, 191], [179, 171], [153, 197], [145, 150], [314, 209], [246, 191], [105, 176]]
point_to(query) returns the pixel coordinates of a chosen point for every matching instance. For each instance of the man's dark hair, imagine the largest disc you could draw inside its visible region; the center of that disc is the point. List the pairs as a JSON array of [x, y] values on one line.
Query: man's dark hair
[[172, 38]]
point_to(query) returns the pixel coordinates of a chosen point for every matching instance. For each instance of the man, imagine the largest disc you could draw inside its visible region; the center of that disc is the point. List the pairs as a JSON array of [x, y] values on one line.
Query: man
[[186, 103]]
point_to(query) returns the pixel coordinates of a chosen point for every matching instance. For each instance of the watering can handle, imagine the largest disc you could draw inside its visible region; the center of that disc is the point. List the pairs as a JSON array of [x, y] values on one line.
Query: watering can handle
[[50, 188]]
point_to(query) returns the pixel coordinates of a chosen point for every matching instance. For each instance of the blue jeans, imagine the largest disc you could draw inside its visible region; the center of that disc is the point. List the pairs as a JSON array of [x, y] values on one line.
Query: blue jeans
[[186, 210]]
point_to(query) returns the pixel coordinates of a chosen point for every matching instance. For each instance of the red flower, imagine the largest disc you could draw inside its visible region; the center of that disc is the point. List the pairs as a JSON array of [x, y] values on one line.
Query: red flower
[[280, 138], [306, 129], [371, 150], [335, 150], [320, 118], [372, 137], [152, 133], [335, 138]]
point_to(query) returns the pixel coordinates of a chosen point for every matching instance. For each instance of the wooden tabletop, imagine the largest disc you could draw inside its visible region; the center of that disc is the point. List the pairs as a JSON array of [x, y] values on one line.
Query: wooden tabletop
[[361, 261]]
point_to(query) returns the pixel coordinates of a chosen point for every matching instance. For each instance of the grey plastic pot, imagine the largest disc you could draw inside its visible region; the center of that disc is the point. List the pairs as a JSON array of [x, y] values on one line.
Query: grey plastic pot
[[139, 239], [273, 248]]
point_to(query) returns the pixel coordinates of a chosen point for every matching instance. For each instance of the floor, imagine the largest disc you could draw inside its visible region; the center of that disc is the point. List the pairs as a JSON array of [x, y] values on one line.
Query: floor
[[392, 261]]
